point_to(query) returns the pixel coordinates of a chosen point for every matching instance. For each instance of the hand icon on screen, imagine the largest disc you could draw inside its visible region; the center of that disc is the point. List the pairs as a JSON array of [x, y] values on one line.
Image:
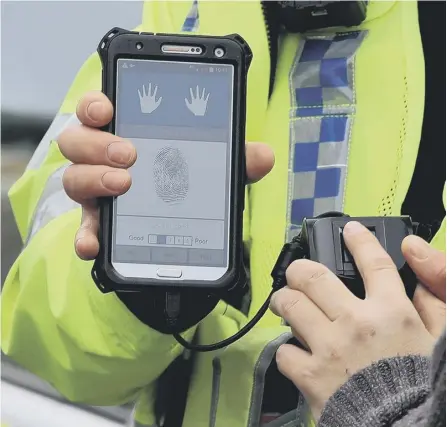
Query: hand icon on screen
[[198, 102], [148, 104]]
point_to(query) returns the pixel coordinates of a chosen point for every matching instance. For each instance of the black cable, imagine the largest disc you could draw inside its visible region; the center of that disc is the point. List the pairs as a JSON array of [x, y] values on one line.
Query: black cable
[[221, 344], [290, 252]]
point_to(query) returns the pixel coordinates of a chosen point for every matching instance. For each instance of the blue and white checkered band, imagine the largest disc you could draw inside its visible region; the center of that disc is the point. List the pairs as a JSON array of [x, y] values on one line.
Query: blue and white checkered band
[[192, 22], [322, 85]]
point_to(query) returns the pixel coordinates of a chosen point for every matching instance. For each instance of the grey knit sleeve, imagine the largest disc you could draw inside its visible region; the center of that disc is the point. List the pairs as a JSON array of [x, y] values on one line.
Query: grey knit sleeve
[[397, 392]]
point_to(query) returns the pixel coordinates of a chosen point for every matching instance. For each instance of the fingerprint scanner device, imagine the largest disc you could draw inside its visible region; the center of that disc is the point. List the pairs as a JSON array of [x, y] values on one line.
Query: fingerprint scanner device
[[322, 241]]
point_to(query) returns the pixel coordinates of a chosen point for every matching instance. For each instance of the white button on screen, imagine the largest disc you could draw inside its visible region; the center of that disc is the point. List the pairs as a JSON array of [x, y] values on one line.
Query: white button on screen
[[169, 273]]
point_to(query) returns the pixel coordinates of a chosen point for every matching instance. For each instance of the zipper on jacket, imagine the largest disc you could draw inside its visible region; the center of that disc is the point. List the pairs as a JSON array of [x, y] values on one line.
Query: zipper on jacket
[[270, 12]]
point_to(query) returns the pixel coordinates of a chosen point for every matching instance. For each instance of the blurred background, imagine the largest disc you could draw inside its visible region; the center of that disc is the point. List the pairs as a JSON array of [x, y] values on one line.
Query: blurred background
[[43, 45]]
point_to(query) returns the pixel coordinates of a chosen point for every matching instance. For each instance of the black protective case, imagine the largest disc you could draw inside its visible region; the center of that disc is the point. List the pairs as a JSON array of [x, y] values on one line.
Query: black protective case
[[119, 43]]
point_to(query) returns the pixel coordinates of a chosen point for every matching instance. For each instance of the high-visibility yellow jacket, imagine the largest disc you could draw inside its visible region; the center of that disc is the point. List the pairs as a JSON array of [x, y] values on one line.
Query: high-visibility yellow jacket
[[344, 121]]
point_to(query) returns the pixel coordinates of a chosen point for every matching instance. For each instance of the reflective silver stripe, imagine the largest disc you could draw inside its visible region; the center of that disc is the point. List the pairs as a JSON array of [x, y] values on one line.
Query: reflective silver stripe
[[52, 203], [264, 361], [262, 364], [60, 122]]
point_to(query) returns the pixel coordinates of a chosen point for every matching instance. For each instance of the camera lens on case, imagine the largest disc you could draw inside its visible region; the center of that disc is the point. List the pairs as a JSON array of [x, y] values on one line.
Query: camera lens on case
[[219, 52], [139, 45]]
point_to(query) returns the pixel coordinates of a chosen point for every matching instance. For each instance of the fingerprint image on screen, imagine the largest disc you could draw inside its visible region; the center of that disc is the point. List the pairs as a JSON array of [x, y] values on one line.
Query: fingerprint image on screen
[[171, 177]]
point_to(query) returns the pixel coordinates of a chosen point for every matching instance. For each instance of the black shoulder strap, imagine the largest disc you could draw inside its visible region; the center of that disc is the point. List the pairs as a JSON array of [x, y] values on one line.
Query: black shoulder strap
[[172, 390]]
